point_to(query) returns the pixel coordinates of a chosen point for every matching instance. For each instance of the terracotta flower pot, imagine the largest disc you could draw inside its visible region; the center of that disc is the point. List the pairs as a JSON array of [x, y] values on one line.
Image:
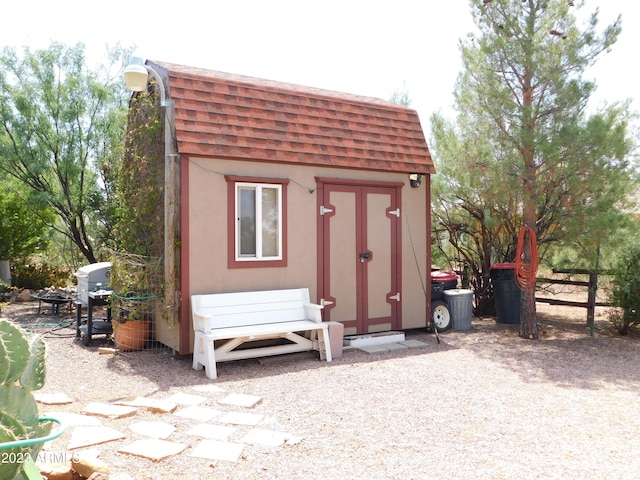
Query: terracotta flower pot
[[131, 335]]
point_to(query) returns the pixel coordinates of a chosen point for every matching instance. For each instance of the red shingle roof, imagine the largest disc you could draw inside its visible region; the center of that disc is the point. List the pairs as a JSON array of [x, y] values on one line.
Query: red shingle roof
[[220, 115]]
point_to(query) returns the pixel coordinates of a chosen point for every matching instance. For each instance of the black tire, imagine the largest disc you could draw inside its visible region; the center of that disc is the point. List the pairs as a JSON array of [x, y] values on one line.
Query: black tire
[[440, 315]]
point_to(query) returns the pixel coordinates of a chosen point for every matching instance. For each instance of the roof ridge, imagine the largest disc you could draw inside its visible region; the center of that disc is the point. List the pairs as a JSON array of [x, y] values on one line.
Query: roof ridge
[[257, 82]]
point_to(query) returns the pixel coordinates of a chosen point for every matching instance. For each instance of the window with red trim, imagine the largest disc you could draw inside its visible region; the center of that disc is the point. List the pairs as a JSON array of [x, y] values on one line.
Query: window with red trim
[[257, 222]]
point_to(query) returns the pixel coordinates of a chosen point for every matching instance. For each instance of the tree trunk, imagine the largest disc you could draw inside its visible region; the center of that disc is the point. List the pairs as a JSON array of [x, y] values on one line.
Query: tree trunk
[[528, 318], [5, 271]]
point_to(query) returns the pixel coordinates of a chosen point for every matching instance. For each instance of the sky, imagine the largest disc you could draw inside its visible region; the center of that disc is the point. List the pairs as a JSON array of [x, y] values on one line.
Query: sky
[[364, 47]]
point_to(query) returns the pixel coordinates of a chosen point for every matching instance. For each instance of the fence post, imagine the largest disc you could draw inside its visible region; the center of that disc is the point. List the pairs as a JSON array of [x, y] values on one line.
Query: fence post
[[591, 301]]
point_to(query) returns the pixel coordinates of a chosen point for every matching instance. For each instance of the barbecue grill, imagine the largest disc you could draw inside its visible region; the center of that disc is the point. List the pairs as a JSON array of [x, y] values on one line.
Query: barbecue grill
[[93, 291], [91, 278]]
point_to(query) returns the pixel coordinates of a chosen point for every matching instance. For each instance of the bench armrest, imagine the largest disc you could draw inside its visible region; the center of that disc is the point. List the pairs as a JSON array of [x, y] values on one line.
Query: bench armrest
[[201, 323], [312, 311]]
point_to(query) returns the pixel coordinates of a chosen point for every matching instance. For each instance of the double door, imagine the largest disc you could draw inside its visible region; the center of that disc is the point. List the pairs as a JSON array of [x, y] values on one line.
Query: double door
[[359, 256]]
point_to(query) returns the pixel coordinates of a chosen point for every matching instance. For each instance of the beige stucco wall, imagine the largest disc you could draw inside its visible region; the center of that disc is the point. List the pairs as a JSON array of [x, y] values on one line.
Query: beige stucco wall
[[207, 241], [415, 274]]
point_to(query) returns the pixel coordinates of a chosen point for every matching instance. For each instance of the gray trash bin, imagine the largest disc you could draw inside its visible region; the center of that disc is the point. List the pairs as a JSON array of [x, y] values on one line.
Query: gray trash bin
[[460, 303]]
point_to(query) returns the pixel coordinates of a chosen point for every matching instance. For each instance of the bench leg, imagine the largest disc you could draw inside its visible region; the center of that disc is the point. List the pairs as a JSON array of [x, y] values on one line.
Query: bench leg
[[198, 351], [204, 355], [324, 344]]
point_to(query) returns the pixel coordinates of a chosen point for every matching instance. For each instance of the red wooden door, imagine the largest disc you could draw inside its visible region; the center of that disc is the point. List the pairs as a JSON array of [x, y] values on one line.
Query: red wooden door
[[359, 256]]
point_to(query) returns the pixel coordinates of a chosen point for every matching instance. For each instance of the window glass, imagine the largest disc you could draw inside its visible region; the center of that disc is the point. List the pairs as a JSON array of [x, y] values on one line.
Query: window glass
[[259, 226], [270, 223], [247, 218]]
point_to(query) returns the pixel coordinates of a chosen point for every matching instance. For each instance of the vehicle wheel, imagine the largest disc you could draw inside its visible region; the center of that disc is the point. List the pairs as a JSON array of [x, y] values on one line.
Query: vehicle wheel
[[440, 315]]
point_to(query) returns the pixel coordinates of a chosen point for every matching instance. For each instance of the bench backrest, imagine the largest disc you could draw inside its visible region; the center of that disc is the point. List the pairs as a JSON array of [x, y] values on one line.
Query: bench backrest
[[221, 310]]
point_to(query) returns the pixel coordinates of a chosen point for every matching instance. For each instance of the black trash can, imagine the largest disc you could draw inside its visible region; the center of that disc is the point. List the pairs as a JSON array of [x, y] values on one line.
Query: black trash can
[[437, 291], [506, 291], [448, 278]]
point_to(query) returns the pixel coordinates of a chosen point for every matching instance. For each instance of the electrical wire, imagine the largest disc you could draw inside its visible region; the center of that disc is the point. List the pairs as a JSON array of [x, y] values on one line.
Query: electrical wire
[[526, 269]]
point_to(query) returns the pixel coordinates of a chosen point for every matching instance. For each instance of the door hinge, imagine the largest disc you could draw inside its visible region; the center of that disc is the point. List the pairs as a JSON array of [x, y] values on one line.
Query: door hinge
[[395, 212], [324, 302], [324, 210], [395, 297]]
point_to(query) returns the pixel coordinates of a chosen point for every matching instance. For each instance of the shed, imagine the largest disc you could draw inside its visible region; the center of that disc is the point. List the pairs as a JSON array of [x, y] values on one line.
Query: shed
[[272, 185]]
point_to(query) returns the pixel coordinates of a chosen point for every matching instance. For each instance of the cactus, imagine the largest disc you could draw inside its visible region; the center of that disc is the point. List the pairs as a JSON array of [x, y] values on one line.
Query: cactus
[[22, 370]]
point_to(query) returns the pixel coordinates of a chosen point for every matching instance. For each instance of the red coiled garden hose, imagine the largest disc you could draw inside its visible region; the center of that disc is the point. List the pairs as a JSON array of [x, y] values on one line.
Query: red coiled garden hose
[[526, 270]]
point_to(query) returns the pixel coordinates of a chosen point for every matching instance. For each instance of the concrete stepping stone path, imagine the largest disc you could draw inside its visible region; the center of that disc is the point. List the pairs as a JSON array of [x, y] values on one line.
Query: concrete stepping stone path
[[218, 434], [109, 410], [195, 412], [153, 449], [88, 436], [217, 450], [160, 430]]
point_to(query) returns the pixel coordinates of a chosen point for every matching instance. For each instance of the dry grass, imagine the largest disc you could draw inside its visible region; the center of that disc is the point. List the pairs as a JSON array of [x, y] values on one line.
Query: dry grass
[[481, 404]]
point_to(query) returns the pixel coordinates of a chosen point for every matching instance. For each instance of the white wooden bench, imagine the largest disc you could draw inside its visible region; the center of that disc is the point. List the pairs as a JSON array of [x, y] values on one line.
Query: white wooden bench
[[233, 319]]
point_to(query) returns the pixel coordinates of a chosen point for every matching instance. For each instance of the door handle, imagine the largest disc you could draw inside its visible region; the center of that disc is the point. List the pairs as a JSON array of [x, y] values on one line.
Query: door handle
[[365, 255]]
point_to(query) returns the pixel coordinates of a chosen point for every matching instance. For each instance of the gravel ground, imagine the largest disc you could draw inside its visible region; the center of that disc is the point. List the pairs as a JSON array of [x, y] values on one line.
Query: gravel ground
[[481, 404]]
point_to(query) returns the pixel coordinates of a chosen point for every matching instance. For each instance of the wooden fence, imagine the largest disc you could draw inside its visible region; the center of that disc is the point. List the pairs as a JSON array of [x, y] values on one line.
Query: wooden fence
[[592, 288]]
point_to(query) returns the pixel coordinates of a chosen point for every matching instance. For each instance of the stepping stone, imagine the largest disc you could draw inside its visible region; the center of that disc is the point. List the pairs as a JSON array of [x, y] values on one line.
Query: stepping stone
[[415, 344], [241, 400], [153, 429], [70, 419], [198, 413], [108, 410], [269, 438], [396, 347], [153, 449], [373, 349], [185, 399], [154, 405], [52, 398], [216, 450], [212, 432], [87, 436], [208, 388], [239, 418]]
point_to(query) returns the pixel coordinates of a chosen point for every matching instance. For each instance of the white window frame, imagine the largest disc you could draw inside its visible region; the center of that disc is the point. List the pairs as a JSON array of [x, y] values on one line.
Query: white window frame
[[258, 213]]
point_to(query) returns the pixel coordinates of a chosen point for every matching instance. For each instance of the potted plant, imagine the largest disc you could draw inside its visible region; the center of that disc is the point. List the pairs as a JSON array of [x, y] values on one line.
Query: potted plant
[[134, 284]]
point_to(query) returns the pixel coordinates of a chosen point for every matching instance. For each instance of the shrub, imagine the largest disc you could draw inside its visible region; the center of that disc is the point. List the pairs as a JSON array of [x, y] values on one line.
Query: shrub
[[625, 290], [39, 276]]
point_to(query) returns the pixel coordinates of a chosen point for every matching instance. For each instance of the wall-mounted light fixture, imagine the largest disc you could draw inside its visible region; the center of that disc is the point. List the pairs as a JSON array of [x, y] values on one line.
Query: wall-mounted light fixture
[[136, 76], [415, 179]]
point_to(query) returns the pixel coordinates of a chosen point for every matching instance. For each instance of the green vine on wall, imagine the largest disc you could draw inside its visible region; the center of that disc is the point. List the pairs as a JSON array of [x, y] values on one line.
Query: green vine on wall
[[140, 191], [137, 262]]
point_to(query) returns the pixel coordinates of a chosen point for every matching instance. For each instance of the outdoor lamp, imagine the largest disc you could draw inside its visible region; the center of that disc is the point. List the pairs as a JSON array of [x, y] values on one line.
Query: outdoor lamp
[[415, 179], [135, 75]]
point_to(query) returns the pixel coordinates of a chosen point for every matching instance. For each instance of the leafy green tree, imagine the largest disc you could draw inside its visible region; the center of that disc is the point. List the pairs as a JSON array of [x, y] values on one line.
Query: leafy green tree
[[61, 133], [625, 288], [22, 231], [524, 151]]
